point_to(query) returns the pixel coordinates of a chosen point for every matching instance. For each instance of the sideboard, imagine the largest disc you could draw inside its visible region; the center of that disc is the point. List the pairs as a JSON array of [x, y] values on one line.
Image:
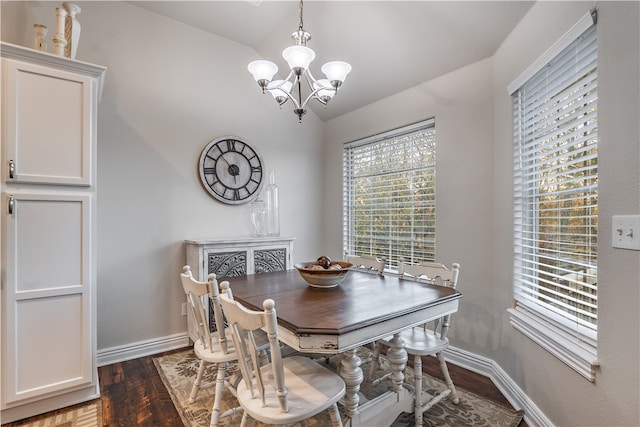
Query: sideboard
[[230, 257]]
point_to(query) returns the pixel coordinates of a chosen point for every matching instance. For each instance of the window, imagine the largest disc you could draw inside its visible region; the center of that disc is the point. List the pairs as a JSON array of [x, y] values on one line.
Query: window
[[556, 203], [389, 196]]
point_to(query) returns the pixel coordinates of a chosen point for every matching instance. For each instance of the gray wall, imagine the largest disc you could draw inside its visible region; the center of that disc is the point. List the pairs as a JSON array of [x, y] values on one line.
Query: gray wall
[[472, 108], [171, 88]]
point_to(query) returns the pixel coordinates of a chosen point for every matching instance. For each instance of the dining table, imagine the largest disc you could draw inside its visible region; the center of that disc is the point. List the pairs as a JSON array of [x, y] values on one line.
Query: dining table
[[363, 308]]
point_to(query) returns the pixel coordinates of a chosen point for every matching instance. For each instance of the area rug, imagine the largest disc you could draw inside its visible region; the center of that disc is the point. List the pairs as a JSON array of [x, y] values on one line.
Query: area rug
[[178, 371], [85, 415]]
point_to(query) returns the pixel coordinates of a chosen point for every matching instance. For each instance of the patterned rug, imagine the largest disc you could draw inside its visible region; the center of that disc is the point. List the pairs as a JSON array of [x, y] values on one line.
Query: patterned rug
[[85, 415], [178, 370]]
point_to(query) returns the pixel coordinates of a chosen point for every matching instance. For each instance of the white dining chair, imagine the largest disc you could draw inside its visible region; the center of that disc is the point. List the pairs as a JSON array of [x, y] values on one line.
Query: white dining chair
[[367, 263], [210, 347], [286, 391], [429, 339]]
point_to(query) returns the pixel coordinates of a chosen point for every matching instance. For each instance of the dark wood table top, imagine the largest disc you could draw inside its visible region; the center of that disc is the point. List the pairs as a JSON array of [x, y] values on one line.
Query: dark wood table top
[[361, 300]]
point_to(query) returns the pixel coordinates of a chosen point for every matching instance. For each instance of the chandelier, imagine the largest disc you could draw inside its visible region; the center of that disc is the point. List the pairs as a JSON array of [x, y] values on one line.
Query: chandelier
[[299, 56]]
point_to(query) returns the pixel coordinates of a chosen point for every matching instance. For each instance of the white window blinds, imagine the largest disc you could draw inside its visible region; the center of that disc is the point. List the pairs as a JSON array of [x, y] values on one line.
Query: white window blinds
[[556, 199], [389, 195]]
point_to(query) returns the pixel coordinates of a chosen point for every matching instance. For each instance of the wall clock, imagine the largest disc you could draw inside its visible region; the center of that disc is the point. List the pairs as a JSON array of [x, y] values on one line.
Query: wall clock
[[231, 170]]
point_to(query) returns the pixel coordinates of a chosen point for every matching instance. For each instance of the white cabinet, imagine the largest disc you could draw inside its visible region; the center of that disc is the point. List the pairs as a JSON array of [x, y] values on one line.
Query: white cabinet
[[49, 112], [235, 257]]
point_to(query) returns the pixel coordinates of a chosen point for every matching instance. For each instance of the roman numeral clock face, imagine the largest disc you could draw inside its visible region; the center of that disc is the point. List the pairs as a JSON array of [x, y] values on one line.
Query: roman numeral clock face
[[231, 170]]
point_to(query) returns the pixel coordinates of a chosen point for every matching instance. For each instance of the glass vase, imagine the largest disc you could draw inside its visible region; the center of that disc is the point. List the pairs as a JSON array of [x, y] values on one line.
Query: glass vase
[[258, 214], [272, 207]]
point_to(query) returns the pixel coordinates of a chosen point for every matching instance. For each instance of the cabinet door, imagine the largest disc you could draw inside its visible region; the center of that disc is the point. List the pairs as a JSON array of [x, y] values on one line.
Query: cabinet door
[[48, 339], [227, 264], [269, 260], [47, 138]]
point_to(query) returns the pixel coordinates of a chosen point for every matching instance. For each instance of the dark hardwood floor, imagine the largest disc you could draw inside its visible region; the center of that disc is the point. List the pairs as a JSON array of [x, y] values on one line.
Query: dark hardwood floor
[[133, 394]]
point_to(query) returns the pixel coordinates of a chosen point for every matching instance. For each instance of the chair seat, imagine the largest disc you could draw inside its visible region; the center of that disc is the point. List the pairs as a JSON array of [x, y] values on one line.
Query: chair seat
[[214, 354], [311, 389], [420, 342]]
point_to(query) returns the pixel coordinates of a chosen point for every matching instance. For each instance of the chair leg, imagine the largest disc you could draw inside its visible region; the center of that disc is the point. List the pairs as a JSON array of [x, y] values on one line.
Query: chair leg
[[196, 384], [264, 357], [445, 372], [245, 420], [375, 361], [338, 363], [217, 400], [336, 421], [417, 398]]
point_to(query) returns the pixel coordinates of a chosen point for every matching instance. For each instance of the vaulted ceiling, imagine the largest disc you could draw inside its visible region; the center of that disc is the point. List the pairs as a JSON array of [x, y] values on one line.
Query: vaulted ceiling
[[391, 45]]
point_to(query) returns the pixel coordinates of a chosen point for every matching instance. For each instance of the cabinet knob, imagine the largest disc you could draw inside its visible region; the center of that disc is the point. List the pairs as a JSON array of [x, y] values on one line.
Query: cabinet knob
[[12, 169], [11, 204]]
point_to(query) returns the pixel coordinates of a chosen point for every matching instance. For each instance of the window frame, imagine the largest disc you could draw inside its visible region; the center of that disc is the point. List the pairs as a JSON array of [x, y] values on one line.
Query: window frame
[[568, 341], [395, 239]]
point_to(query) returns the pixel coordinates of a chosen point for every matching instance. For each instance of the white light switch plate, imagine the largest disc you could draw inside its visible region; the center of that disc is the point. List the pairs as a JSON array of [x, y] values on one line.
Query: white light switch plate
[[625, 232]]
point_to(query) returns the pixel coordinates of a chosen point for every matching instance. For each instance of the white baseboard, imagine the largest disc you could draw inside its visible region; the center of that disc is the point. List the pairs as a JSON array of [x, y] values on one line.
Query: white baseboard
[[533, 416], [473, 362], [138, 349]]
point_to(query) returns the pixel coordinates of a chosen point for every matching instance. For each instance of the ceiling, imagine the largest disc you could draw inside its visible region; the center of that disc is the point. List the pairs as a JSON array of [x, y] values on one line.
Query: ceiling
[[391, 45]]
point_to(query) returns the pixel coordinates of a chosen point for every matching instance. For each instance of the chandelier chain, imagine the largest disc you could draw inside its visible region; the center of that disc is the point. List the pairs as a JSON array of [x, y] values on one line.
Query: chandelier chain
[[301, 26]]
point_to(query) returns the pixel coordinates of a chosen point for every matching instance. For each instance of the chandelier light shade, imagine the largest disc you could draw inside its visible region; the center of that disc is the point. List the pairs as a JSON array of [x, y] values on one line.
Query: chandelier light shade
[[263, 71], [336, 72], [299, 58]]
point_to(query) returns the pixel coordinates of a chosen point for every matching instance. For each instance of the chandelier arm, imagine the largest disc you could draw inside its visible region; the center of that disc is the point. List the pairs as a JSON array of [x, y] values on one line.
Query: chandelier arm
[[285, 80], [280, 88], [310, 78], [314, 92], [313, 95], [289, 96], [295, 102], [297, 82]]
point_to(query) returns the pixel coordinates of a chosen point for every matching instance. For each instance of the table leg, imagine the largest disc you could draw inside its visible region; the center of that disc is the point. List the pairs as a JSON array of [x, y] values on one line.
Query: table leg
[[352, 375], [397, 356], [381, 410]]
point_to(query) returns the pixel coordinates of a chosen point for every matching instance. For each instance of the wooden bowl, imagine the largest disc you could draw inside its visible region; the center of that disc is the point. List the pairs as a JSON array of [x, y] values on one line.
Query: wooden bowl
[[324, 278]]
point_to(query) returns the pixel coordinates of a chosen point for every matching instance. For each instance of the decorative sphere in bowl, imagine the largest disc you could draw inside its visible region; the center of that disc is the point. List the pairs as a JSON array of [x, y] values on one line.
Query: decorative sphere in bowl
[[320, 277]]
